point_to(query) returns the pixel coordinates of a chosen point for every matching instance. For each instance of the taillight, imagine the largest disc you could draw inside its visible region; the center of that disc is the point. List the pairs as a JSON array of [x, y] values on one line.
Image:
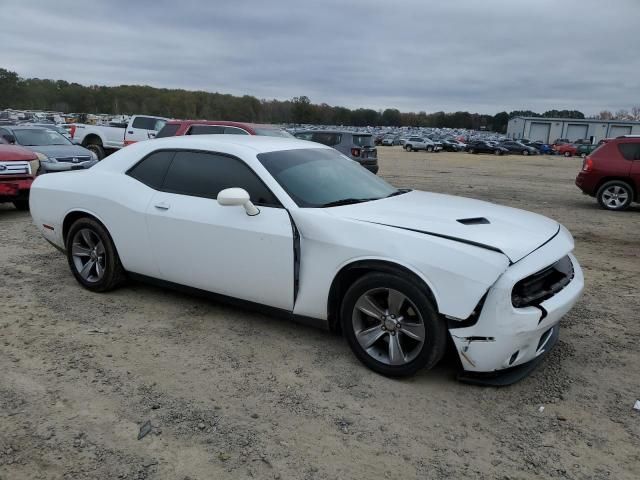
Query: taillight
[[355, 152], [587, 165], [72, 131]]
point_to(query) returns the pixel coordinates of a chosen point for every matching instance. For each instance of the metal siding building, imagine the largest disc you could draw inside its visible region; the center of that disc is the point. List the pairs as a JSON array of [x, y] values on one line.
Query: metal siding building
[[550, 129]]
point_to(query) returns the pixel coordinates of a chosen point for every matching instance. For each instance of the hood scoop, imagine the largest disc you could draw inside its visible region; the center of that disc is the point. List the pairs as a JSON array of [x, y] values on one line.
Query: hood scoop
[[474, 221]]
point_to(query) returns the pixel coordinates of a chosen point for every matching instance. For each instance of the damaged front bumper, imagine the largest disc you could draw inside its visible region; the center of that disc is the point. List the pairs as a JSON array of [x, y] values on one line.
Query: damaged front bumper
[[505, 337]]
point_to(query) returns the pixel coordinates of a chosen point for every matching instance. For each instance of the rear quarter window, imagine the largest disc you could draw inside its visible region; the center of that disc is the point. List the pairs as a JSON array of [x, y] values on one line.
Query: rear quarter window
[[630, 151], [152, 169], [169, 130], [329, 139], [363, 140]]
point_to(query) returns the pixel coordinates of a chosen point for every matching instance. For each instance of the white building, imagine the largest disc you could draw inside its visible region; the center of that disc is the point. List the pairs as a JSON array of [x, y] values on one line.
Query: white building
[[549, 129]]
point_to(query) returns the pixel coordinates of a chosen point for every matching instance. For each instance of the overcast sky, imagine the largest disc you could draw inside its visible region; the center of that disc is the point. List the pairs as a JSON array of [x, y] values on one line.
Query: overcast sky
[[477, 55]]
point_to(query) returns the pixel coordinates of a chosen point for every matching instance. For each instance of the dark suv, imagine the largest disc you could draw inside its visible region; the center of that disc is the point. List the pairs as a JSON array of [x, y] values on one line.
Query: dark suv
[[356, 146], [612, 173]]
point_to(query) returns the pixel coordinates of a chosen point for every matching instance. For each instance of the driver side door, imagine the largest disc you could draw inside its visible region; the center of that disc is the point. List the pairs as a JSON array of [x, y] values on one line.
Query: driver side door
[[199, 243]]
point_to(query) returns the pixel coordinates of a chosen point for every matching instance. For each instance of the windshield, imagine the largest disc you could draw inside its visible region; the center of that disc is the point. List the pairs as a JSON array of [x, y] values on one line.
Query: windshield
[[318, 177], [37, 138], [273, 132]]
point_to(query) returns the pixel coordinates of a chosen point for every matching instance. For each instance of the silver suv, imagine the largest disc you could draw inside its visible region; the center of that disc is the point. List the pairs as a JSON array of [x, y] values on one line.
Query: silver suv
[[357, 146], [414, 144]]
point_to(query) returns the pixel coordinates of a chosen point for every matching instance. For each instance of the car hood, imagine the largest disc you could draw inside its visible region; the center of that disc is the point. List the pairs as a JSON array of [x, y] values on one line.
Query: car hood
[[61, 150], [515, 233]]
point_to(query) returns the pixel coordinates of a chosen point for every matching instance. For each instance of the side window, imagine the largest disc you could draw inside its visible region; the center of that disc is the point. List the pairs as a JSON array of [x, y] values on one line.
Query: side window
[[146, 123], [151, 170], [235, 131], [630, 151], [205, 174], [304, 135], [329, 139], [205, 130]]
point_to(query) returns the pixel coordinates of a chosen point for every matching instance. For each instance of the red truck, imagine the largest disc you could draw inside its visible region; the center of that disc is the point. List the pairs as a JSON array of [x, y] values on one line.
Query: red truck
[[18, 168]]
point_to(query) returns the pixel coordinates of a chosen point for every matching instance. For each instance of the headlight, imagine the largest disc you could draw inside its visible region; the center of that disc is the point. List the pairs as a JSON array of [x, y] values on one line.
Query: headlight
[[93, 155], [42, 157]]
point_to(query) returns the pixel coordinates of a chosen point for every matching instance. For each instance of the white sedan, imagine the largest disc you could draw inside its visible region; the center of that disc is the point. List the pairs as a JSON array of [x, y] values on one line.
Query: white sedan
[[298, 228]]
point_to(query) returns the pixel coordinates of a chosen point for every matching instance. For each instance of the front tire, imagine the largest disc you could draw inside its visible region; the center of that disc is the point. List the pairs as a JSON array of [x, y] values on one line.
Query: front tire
[[97, 149], [472, 151], [525, 152], [615, 195], [567, 154], [497, 152], [429, 149], [92, 256], [392, 325]]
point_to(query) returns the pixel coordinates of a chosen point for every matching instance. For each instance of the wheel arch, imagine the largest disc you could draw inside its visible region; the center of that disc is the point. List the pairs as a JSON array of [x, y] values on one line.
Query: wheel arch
[[72, 216], [92, 139], [354, 270]]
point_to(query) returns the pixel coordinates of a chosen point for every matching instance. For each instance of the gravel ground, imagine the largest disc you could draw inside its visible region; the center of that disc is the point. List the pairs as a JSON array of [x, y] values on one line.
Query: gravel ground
[[234, 394]]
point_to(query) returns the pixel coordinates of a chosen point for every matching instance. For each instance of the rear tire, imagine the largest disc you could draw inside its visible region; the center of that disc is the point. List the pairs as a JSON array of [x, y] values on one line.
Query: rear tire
[[525, 152], [567, 154], [615, 195], [97, 149], [497, 152], [429, 149], [92, 256], [22, 205], [392, 337], [471, 150]]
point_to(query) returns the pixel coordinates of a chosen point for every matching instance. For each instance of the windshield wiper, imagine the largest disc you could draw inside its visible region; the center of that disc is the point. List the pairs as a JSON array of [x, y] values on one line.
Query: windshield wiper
[[400, 191], [347, 201]]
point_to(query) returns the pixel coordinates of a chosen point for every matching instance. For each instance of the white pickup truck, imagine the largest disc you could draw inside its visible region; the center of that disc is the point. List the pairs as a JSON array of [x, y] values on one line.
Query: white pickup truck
[[102, 139]]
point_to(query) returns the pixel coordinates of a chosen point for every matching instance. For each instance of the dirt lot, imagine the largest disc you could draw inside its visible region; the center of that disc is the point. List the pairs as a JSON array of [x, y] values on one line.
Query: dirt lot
[[234, 394]]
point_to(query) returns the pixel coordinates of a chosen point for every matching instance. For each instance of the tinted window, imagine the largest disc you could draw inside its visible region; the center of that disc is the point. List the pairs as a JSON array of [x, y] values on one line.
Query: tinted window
[[169, 130], [205, 130], [273, 132], [148, 123], [317, 176], [363, 140], [630, 151], [329, 139], [235, 131], [152, 169], [304, 135], [206, 174]]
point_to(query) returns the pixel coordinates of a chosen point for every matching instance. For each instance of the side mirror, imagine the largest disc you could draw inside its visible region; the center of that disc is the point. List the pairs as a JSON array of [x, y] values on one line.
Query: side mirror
[[237, 197], [10, 138]]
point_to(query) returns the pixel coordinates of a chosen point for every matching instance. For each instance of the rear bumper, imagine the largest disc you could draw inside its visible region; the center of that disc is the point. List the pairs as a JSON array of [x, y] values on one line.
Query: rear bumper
[[505, 337], [587, 183]]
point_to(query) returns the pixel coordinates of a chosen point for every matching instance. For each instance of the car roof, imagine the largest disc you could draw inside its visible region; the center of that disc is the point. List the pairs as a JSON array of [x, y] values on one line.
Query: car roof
[[341, 132], [245, 147], [23, 127], [223, 123]]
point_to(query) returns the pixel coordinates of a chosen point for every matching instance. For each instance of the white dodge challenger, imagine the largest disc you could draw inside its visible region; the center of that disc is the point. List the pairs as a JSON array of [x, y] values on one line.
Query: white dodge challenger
[[298, 228]]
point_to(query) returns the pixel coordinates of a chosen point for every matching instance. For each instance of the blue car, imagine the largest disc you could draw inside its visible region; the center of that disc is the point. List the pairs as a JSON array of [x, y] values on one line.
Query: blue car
[[543, 148]]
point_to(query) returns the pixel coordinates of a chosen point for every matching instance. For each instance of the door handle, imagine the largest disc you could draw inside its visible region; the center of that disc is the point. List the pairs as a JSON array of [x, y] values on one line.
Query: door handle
[[130, 131], [162, 206]]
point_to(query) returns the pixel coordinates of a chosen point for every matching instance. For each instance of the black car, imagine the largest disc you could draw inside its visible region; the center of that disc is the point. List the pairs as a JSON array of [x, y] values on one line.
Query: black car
[[481, 146], [449, 145], [519, 147]]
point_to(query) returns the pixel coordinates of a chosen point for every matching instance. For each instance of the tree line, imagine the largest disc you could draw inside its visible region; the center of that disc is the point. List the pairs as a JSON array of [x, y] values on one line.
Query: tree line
[[63, 96]]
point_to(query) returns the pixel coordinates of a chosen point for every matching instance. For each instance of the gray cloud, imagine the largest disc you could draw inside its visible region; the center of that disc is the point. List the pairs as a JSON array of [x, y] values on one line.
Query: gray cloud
[[414, 55]]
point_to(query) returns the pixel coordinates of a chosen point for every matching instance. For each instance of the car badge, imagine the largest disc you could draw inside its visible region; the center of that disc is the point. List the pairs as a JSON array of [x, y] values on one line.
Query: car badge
[[75, 160], [3, 168]]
